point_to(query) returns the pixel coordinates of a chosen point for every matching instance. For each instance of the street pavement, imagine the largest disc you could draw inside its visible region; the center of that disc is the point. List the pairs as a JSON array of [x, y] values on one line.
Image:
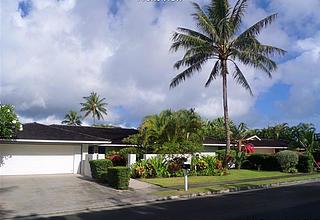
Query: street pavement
[[298, 202]]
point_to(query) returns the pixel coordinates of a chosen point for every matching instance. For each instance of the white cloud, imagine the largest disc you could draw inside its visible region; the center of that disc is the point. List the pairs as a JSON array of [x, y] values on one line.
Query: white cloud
[[63, 50]]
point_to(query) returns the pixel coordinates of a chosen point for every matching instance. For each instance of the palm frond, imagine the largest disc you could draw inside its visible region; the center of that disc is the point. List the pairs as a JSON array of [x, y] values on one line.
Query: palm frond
[[204, 23], [240, 78], [187, 73], [237, 14], [257, 27], [186, 41], [214, 73]]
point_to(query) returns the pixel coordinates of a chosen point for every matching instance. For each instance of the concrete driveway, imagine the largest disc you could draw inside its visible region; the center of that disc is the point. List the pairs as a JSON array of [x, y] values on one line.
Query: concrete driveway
[[38, 195]]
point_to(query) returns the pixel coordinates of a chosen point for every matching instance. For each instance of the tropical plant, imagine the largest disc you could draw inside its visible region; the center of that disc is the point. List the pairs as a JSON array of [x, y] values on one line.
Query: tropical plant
[[169, 132], [217, 39], [72, 118], [95, 106], [9, 122]]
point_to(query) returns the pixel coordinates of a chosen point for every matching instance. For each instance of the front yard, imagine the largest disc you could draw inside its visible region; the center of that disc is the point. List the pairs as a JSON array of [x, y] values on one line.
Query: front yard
[[236, 178]]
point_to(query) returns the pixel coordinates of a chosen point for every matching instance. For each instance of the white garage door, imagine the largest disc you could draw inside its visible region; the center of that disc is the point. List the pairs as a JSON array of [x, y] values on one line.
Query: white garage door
[[39, 159]]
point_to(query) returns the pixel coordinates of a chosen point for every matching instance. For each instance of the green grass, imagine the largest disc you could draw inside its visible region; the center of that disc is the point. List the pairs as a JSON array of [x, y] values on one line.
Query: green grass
[[286, 178], [233, 175]]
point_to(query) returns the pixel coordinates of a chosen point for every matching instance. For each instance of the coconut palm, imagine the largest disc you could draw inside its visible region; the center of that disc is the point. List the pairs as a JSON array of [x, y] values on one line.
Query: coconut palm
[[219, 39], [95, 106], [72, 118]]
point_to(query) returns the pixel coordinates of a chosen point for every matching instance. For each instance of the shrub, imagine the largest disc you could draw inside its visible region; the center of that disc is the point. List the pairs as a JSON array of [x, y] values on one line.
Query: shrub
[[128, 150], [139, 169], [116, 158], [175, 166], [231, 157], [118, 177], [305, 163], [261, 162], [288, 161], [160, 166], [99, 168], [206, 166]]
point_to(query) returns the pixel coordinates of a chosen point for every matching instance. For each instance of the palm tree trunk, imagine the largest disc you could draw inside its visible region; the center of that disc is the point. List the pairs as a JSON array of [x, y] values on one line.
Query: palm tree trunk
[[225, 110]]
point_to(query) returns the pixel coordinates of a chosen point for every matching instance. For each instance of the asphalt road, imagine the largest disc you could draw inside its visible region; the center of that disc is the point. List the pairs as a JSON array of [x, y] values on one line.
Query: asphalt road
[[286, 203]]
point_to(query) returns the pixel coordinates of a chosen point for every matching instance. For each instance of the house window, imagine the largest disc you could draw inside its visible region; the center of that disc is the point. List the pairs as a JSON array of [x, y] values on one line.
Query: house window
[[91, 150], [102, 150]]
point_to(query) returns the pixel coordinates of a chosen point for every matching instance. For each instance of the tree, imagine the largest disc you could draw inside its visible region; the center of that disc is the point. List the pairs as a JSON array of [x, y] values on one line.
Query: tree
[[72, 118], [9, 122], [169, 132], [95, 106], [217, 39]]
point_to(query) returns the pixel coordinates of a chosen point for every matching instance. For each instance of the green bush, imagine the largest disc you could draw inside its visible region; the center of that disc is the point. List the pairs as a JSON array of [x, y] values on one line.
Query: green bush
[[160, 166], [288, 161], [266, 162], [205, 166], [305, 163], [128, 150], [99, 168], [118, 177]]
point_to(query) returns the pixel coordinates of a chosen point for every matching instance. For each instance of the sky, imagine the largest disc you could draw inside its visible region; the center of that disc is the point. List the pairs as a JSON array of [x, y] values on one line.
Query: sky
[[55, 52]]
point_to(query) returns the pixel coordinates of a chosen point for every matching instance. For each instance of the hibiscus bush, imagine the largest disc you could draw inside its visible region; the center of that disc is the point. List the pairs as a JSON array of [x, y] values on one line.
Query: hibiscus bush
[[9, 122]]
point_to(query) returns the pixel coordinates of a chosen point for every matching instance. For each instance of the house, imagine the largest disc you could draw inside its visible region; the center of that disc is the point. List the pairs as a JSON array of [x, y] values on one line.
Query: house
[[268, 146], [55, 149]]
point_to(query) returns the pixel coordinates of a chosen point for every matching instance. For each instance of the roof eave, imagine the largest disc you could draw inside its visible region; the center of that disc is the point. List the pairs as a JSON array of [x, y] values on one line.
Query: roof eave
[[55, 141]]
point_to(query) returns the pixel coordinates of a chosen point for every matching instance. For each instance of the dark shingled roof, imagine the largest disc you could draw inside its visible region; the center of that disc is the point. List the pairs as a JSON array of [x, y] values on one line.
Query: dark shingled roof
[[116, 135], [269, 143], [35, 131], [212, 140]]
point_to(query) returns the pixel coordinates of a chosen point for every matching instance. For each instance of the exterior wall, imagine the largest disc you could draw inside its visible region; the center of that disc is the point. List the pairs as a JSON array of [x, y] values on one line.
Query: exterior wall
[[265, 150], [25, 159]]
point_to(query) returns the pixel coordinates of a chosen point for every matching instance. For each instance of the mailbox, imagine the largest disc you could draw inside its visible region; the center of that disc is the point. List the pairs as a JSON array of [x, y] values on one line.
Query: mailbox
[[186, 166]]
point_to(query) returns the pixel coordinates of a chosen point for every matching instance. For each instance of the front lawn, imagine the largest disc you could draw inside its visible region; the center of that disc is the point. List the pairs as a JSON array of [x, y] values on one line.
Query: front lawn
[[235, 179], [234, 175]]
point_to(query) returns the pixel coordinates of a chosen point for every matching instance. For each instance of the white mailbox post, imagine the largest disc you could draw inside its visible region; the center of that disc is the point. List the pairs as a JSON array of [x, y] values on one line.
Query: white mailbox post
[[186, 168]]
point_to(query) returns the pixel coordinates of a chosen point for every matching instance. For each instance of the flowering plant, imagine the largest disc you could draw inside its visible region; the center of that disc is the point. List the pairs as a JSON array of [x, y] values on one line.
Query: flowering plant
[[249, 148]]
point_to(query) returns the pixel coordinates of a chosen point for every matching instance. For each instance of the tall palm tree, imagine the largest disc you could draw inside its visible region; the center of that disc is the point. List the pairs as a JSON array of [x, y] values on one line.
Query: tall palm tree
[[72, 118], [217, 39], [95, 106]]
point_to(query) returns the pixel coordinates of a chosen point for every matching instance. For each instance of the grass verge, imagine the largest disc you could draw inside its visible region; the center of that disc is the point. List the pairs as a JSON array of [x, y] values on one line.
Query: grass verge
[[237, 185], [234, 175]]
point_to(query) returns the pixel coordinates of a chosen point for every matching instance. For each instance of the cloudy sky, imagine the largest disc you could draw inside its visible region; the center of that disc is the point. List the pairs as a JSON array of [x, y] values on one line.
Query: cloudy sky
[[54, 52]]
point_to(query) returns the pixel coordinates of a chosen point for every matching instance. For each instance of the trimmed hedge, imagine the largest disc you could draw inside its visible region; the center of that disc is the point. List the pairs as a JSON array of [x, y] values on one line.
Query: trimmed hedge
[[305, 164], [288, 160], [99, 168], [118, 177], [266, 162]]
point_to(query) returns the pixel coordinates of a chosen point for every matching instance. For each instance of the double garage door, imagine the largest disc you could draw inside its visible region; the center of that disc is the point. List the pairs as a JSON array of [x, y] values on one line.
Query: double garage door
[[18, 159]]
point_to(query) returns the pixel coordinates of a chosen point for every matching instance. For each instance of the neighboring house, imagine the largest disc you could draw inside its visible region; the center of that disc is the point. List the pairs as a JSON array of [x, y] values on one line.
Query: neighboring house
[[268, 146], [54, 149]]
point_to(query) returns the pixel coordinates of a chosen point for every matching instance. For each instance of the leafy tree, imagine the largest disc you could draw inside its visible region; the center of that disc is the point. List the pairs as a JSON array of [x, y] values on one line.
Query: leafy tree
[[217, 39], [169, 132], [95, 106], [9, 122], [303, 135], [277, 132], [72, 118]]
